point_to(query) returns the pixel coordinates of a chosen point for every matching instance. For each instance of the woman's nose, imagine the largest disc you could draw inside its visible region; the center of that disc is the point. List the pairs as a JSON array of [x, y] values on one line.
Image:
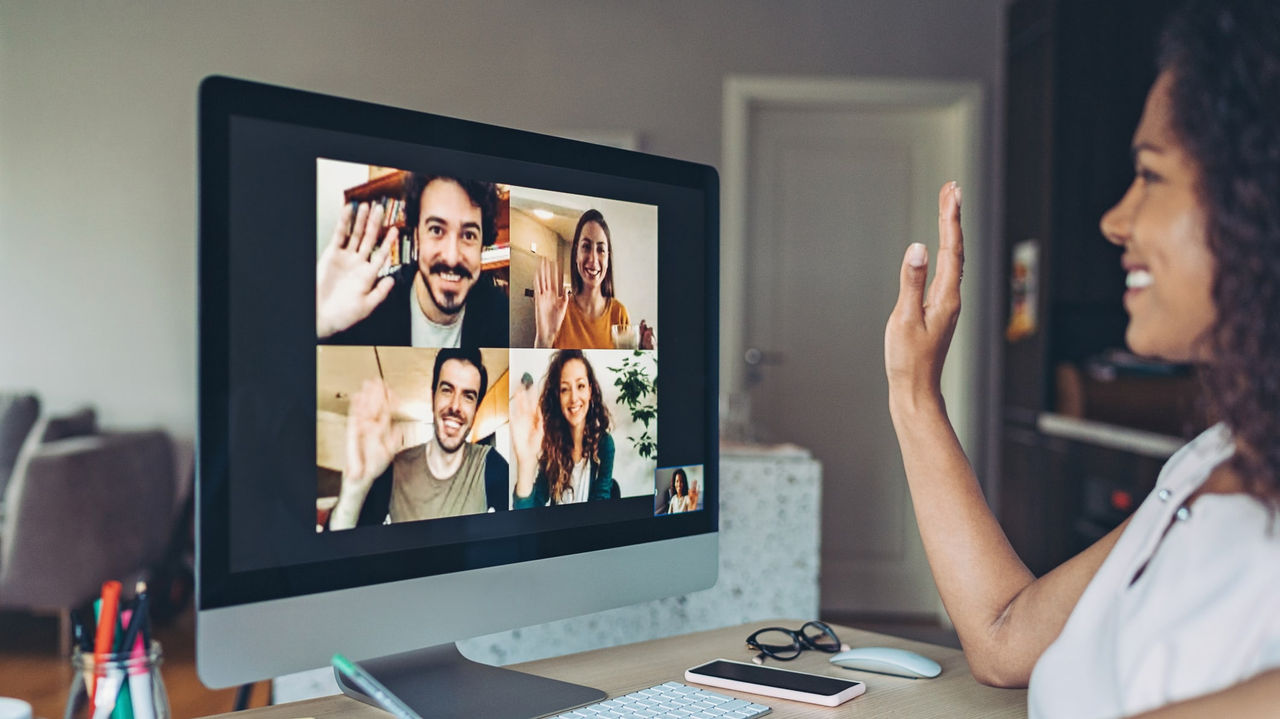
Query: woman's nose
[[1117, 223]]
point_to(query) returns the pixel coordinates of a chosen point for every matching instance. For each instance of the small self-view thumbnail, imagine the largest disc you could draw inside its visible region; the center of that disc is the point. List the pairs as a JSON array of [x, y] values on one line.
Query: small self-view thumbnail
[[678, 489]]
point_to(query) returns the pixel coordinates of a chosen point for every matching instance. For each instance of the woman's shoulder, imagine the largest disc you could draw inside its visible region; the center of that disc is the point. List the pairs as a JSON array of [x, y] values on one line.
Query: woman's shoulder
[[617, 311], [1188, 467]]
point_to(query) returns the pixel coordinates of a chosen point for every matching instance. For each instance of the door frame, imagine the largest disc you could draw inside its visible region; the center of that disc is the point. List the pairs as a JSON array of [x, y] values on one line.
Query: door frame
[[962, 101], [745, 93]]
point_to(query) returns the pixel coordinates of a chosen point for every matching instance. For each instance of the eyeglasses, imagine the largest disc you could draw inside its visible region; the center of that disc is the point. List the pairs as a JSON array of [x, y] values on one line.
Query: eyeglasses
[[787, 644]]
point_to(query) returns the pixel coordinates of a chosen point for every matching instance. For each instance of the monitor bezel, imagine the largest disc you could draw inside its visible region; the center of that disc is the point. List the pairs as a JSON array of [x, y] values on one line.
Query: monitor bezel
[[220, 99]]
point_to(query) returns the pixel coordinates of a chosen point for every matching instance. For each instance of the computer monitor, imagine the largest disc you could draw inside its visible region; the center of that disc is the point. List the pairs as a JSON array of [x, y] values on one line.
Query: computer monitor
[[367, 488]]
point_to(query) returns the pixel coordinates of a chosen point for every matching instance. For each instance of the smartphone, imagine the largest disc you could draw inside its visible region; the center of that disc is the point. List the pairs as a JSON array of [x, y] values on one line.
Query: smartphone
[[774, 682]]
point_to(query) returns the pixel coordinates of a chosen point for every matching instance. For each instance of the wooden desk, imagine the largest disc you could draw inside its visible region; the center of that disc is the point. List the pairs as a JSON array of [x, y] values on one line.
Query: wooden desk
[[618, 670]]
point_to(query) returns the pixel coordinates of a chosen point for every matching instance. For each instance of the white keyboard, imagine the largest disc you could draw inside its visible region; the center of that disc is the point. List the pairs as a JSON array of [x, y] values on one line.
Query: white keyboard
[[672, 699]]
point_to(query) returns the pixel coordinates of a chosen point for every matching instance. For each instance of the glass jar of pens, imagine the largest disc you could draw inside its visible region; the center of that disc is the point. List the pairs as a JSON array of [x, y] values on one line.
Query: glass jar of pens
[[115, 663], [122, 685]]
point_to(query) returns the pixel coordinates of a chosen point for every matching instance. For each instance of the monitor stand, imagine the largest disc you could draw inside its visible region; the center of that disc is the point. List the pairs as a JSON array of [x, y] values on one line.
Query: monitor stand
[[439, 682]]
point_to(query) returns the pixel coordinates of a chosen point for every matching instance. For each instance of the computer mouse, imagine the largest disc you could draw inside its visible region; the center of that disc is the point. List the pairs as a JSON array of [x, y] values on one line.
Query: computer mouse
[[887, 660]]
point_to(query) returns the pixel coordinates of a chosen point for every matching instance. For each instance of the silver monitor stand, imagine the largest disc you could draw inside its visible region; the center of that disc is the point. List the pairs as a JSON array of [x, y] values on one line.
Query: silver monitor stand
[[438, 682]]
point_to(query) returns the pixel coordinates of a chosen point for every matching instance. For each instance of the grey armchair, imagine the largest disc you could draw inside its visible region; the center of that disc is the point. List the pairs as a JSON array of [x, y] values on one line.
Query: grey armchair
[[80, 510]]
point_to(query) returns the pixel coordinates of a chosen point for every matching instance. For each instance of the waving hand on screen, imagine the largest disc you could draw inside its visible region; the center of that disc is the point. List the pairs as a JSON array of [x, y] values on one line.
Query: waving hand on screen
[[371, 445], [526, 437], [347, 284], [551, 302]]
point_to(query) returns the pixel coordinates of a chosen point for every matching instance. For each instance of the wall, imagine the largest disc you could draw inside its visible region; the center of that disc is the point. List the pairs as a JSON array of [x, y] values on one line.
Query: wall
[[98, 138]]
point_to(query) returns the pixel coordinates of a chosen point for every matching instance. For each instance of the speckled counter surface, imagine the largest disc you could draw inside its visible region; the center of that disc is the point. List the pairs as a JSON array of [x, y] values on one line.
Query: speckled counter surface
[[769, 513]]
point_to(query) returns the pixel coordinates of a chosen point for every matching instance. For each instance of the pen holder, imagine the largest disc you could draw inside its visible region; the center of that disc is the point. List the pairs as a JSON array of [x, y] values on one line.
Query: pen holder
[[120, 686]]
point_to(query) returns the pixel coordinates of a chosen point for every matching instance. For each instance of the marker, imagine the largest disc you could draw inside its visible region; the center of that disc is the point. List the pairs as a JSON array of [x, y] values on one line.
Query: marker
[[373, 688], [124, 704], [137, 645], [136, 622], [144, 609], [84, 640], [80, 632], [103, 642]]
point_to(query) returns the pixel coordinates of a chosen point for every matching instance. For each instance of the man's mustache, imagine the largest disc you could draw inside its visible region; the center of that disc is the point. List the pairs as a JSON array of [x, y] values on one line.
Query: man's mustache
[[453, 415], [440, 268]]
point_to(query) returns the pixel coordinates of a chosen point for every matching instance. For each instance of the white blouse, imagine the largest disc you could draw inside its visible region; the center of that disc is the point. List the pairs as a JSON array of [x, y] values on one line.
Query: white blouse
[[1203, 615]]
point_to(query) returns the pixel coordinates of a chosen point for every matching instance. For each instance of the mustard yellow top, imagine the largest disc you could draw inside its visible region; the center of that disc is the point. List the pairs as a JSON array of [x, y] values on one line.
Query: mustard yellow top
[[580, 332]]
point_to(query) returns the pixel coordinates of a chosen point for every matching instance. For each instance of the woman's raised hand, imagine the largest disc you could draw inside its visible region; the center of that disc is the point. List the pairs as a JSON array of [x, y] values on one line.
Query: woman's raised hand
[[526, 437], [551, 301], [920, 328]]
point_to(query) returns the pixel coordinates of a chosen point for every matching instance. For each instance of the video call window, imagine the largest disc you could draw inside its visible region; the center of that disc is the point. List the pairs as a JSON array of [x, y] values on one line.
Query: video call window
[[584, 271], [407, 434], [677, 490], [410, 258], [482, 348], [583, 425]]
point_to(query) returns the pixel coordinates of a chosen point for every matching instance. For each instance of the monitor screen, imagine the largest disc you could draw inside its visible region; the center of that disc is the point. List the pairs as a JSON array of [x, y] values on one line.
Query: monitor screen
[[441, 360]]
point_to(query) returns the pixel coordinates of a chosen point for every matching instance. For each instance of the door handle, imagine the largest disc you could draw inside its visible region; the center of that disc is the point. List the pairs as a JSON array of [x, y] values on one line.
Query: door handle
[[754, 357]]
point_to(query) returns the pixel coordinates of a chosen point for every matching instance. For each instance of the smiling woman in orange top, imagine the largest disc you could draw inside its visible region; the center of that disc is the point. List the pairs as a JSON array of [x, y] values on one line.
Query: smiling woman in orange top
[[583, 317]]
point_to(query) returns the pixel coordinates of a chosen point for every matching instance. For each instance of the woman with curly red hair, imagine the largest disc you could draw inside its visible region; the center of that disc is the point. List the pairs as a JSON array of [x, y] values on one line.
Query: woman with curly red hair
[[564, 452]]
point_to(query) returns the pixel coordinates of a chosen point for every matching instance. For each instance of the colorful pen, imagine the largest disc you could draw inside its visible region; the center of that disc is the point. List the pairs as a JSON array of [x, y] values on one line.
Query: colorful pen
[[373, 688], [103, 643], [124, 705], [144, 608], [138, 646]]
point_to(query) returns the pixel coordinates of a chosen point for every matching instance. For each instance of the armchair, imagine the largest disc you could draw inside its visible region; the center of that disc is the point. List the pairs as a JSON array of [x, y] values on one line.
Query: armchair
[[80, 510]]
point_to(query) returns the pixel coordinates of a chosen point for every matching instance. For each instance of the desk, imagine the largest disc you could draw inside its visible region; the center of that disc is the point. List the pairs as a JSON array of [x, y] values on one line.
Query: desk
[[623, 669]]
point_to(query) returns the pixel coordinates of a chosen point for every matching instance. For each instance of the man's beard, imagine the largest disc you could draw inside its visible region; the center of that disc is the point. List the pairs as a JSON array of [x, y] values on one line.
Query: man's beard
[[450, 303], [462, 436]]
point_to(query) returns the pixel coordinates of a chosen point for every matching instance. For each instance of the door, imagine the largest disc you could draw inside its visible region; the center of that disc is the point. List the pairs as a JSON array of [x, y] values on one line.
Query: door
[[835, 188]]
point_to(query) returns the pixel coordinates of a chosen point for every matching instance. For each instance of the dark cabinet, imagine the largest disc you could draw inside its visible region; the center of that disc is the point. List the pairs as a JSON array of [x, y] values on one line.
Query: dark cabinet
[[1037, 511], [1077, 76]]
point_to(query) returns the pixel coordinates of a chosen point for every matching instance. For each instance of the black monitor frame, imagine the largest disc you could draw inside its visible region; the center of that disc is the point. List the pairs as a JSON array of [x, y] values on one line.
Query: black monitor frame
[[224, 98]]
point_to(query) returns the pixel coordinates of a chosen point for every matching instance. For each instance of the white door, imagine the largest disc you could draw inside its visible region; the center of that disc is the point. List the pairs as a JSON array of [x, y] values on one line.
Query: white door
[[837, 182]]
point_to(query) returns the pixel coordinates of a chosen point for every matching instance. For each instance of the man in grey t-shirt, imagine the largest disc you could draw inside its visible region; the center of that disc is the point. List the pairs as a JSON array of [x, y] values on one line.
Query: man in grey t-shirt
[[444, 477]]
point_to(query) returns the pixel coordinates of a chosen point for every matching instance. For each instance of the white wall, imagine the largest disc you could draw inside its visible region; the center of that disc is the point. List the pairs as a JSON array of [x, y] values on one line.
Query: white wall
[[98, 137], [334, 177]]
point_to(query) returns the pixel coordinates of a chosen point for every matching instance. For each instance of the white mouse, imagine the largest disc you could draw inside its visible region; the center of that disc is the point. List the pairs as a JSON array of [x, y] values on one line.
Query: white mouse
[[887, 660]]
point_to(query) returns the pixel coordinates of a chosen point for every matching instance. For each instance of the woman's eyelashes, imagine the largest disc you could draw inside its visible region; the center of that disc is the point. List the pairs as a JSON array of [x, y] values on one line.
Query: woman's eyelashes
[[1146, 175]]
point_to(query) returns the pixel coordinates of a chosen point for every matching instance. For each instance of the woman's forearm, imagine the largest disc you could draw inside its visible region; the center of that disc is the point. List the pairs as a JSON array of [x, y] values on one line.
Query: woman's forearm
[[976, 570], [1004, 616]]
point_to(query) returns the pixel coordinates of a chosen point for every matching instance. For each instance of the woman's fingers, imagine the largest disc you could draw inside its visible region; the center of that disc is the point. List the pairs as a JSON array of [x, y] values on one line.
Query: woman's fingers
[[945, 289], [541, 284], [915, 265]]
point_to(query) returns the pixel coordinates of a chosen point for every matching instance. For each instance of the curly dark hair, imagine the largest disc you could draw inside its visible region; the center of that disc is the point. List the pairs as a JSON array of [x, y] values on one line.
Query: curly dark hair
[[483, 195], [684, 482], [606, 287], [557, 435], [1223, 57]]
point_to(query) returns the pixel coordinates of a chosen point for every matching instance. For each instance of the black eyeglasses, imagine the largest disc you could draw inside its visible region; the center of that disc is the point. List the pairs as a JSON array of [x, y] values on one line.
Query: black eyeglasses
[[786, 644]]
